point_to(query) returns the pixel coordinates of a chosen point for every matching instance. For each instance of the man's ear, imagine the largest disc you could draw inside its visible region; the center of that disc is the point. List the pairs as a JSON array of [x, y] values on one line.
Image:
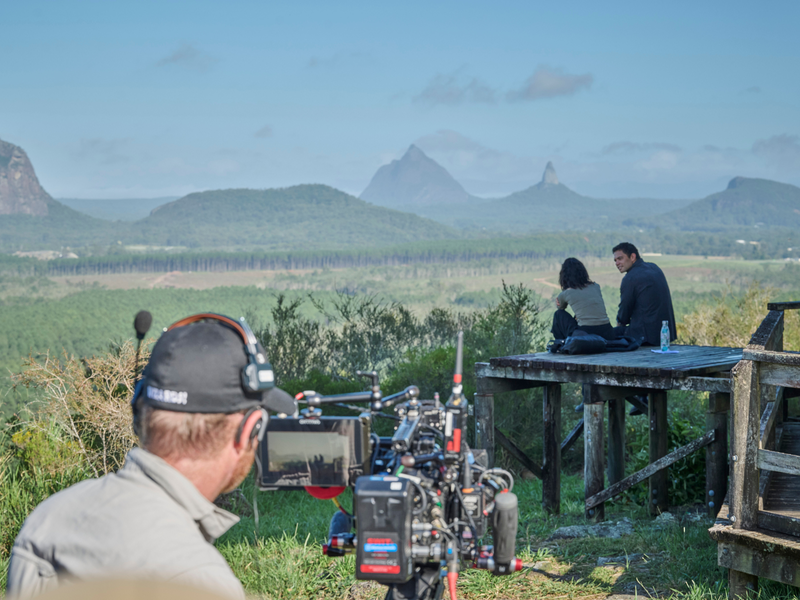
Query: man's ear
[[634, 256], [245, 439]]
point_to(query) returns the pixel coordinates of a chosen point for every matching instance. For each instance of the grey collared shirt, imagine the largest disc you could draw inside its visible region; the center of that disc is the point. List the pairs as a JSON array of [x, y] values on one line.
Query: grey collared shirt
[[147, 520]]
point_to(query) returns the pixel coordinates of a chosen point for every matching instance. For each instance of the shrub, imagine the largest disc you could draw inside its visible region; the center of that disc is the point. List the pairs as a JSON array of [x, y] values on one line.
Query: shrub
[[730, 320], [84, 418]]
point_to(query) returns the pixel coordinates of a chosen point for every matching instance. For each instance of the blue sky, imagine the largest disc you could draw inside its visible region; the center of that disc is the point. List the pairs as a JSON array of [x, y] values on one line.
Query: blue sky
[[143, 99]]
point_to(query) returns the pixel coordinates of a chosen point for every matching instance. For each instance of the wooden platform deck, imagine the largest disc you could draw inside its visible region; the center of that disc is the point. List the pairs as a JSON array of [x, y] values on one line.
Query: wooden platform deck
[[689, 368], [612, 379]]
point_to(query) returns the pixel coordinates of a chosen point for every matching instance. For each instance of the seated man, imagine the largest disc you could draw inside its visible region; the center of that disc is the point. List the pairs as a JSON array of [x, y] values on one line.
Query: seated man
[[645, 301], [198, 421]]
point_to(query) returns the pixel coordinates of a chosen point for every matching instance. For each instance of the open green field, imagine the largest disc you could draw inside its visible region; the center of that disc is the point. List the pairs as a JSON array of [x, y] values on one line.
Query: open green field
[[467, 284]]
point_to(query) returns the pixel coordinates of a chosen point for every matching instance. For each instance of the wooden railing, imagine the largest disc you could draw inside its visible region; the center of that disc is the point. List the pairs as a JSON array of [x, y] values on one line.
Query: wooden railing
[[762, 382]]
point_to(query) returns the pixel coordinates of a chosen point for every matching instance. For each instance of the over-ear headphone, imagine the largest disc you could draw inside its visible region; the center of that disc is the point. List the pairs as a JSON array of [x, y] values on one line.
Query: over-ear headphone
[[257, 374], [259, 429]]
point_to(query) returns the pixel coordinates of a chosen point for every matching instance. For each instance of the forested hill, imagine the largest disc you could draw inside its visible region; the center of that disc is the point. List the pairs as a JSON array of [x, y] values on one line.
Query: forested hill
[[745, 203], [299, 217]]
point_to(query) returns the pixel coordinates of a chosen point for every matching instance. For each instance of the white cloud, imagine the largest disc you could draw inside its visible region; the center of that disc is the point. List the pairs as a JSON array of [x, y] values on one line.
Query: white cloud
[[635, 147], [264, 132], [453, 89], [188, 57], [547, 82], [780, 151]]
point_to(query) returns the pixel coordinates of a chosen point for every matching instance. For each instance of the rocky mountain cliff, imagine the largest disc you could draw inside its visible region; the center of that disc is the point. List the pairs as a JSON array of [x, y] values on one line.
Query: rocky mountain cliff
[[414, 181], [20, 192]]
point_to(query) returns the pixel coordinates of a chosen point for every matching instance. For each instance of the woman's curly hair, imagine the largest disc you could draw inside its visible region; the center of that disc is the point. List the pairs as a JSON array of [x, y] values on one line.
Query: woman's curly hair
[[573, 275]]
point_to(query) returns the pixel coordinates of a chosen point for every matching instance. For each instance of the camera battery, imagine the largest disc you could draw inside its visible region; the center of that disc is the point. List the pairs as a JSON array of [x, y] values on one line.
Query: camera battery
[[472, 506], [383, 508]]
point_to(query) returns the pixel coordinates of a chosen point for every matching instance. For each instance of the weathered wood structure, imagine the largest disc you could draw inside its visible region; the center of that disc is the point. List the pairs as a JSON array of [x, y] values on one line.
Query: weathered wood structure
[[758, 527], [611, 378]]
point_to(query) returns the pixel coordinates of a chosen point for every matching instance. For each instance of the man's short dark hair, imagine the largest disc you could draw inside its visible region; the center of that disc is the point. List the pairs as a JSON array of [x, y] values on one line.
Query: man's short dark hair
[[627, 248]]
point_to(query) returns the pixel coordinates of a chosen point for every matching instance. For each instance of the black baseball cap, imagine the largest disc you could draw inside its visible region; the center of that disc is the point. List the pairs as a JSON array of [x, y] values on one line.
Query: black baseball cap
[[197, 368]]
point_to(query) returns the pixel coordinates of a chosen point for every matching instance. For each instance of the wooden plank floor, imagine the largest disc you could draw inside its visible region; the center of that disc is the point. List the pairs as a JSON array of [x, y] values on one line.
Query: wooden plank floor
[[690, 360], [783, 495]]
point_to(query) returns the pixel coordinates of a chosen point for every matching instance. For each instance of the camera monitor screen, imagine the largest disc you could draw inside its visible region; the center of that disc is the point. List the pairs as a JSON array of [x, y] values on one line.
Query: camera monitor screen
[[324, 451]]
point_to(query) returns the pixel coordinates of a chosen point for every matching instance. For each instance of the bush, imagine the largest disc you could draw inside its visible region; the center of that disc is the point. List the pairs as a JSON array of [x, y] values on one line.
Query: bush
[[84, 418], [730, 320]]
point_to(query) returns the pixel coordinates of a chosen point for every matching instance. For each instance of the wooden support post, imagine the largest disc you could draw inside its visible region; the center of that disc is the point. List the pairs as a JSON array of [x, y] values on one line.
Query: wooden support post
[[717, 452], [593, 450], [745, 436], [616, 440], [657, 408], [741, 585], [484, 424], [551, 469]]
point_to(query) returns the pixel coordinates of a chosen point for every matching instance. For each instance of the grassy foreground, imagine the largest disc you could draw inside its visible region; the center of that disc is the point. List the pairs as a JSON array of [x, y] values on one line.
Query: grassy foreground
[[671, 560]]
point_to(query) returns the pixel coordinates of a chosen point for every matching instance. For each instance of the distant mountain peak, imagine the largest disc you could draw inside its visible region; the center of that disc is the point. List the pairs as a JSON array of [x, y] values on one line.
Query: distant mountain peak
[[413, 180], [414, 152], [549, 177], [736, 182], [20, 192]]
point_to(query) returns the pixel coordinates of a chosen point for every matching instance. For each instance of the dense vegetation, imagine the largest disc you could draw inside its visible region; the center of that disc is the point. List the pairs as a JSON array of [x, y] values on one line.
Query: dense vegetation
[[41, 454], [757, 244]]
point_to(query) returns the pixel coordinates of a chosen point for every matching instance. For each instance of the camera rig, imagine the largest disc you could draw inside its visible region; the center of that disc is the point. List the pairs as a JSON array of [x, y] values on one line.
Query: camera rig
[[422, 499]]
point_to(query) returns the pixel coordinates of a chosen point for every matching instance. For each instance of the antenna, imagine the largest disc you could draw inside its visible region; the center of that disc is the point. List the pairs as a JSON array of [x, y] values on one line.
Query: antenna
[[459, 359]]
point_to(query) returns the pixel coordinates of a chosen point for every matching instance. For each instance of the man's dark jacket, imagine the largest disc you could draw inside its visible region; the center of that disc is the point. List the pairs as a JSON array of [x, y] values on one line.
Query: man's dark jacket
[[645, 302]]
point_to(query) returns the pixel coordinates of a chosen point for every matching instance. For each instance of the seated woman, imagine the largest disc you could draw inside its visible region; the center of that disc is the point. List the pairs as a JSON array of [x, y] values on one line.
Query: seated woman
[[586, 300]]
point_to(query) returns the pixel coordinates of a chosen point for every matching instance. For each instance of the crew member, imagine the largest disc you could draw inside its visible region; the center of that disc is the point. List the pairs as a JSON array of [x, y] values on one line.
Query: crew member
[[645, 302], [198, 423]]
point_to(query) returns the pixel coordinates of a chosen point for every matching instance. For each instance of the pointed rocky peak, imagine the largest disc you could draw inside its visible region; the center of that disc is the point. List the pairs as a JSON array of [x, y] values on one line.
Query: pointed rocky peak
[[20, 192], [414, 153], [412, 181], [549, 177]]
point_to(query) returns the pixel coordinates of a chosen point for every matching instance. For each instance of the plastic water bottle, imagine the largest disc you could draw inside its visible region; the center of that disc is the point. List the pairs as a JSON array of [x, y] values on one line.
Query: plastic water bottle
[[665, 336]]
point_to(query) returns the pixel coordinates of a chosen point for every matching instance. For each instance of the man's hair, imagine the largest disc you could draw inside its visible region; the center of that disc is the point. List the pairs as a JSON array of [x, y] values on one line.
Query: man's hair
[[168, 433], [573, 275], [627, 248]]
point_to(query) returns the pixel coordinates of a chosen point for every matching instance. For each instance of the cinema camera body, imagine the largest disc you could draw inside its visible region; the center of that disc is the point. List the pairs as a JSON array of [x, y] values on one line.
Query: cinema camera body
[[422, 499]]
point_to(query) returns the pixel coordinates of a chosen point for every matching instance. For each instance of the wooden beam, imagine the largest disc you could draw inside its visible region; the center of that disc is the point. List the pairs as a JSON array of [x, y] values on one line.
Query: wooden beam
[[638, 404], [702, 384], [767, 333], [659, 442], [783, 305], [778, 523], [565, 375], [781, 376], [551, 465], [593, 453], [499, 385], [650, 469], [517, 453], [789, 359], [770, 460], [717, 451], [767, 428], [616, 440], [743, 491], [572, 437]]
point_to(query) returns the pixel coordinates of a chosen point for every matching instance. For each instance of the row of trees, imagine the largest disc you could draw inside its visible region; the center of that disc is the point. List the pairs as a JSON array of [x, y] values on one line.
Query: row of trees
[[542, 246]]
